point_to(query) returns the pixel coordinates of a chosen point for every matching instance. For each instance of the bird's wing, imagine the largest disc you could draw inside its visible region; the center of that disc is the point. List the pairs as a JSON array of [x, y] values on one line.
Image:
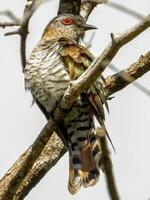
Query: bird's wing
[[77, 59]]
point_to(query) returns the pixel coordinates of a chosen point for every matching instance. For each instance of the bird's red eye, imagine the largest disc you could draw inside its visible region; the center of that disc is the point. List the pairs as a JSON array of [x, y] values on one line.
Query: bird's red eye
[[67, 21]]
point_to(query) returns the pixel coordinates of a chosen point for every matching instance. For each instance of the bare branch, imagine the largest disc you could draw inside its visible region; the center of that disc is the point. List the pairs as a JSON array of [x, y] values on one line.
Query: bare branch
[[11, 16], [8, 24], [69, 6], [123, 78], [12, 180], [87, 7], [108, 169], [88, 44], [134, 83], [125, 10], [143, 89], [50, 155], [106, 165], [15, 20], [12, 33], [30, 7]]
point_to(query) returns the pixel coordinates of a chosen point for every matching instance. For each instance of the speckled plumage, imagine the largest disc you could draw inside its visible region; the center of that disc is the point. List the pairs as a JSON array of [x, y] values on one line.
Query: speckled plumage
[[55, 61]]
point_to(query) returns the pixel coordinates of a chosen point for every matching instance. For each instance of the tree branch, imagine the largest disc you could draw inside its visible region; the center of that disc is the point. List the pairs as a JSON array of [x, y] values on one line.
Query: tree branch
[[14, 177], [8, 24], [11, 16], [108, 170], [69, 6], [50, 155], [101, 62], [87, 7], [139, 86], [30, 7], [123, 78], [126, 10]]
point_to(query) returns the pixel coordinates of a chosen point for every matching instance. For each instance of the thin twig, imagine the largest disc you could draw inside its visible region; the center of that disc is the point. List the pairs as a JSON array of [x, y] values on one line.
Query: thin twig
[[12, 33], [30, 7], [88, 44], [11, 16], [8, 24], [126, 10]]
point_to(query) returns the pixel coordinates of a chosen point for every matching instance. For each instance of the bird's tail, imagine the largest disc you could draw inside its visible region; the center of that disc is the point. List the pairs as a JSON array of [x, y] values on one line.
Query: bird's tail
[[84, 169]]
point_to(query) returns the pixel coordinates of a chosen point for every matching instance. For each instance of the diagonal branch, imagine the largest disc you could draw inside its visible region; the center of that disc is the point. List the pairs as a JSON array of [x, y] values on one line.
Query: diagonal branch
[[10, 15], [101, 62], [125, 9], [50, 155], [143, 89], [123, 78], [14, 177]]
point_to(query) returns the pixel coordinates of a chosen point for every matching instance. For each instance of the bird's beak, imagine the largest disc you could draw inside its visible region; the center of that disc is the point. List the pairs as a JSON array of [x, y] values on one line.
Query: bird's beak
[[89, 27]]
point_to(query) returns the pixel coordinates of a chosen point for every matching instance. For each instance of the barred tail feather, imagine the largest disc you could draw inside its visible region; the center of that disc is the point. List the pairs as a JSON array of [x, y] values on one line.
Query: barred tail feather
[[90, 171], [84, 170], [96, 148], [75, 173]]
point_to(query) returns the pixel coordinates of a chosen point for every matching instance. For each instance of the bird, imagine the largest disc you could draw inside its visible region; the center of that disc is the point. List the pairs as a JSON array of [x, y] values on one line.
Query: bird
[[56, 60]]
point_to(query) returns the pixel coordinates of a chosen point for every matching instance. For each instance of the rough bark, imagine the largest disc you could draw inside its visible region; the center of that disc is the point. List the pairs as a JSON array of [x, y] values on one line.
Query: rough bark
[[123, 78]]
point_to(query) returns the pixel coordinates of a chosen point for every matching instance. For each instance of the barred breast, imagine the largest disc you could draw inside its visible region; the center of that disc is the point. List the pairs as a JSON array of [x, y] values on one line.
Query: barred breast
[[45, 74]]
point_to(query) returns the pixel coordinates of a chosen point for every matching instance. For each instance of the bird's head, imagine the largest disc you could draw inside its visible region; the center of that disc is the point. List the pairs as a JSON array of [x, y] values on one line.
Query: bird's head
[[70, 26]]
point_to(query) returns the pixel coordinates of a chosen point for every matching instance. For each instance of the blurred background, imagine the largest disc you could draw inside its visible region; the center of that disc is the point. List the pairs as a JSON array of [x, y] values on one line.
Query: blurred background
[[128, 122]]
